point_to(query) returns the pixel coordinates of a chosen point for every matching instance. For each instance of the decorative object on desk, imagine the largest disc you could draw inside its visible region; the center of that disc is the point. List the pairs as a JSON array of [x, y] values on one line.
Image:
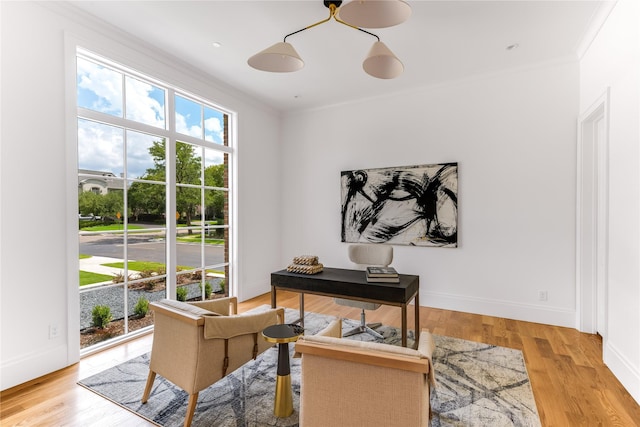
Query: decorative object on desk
[[409, 205], [305, 264], [476, 384], [304, 269], [306, 260], [382, 275], [383, 279], [381, 272]]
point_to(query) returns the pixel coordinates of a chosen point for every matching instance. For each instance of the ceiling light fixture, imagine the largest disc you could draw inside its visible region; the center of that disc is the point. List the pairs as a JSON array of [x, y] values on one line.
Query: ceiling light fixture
[[283, 58], [375, 13]]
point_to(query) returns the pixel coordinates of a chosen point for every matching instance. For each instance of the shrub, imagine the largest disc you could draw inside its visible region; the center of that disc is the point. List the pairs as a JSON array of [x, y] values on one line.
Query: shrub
[[207, 290], [101, 316], [153, 283], [145, 274], [142, 307], [183, 279], [181, 294], [222, 284], [119, 277]]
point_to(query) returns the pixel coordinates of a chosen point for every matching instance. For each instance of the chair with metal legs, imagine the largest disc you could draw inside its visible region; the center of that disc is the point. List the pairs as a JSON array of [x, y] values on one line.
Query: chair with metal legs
[[363, 256]]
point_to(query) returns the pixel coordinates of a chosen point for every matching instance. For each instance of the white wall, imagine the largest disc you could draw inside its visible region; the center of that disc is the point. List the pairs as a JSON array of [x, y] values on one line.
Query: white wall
[[39, 262], [513, 136], [613, 60]]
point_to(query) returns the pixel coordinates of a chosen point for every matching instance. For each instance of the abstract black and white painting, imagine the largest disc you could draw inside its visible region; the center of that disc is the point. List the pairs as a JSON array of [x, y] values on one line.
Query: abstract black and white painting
[[409, 205]]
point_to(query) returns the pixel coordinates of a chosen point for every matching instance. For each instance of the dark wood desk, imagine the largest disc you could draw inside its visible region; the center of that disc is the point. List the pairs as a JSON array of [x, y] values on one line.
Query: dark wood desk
[[351, 284]]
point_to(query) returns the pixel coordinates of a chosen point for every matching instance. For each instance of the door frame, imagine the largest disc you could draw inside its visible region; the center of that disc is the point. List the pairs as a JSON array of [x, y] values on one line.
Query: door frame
[[592, 216]]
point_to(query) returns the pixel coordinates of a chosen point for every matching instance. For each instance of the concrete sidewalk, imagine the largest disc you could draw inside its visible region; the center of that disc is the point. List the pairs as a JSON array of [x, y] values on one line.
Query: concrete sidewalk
[[94, 265]]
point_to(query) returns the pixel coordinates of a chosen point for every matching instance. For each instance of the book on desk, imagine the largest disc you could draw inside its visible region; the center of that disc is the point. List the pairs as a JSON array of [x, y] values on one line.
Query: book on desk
[[382, 275]]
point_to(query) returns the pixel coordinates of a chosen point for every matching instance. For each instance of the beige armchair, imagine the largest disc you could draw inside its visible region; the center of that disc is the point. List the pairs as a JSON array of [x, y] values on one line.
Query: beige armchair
[[195, 344], [353, 383]]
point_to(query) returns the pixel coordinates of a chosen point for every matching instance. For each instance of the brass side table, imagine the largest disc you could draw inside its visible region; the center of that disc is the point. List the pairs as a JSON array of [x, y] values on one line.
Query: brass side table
[[283, 335]]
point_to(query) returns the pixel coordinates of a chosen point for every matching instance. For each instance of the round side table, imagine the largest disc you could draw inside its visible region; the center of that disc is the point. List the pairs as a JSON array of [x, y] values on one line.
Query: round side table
[[283, 335]]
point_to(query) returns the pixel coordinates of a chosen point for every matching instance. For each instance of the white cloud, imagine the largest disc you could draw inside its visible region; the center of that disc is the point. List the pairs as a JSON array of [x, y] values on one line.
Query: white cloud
[[100, 147], [138, 157], [106, 84], [141, 107], [212, 157], [214, 126], [183, 128]]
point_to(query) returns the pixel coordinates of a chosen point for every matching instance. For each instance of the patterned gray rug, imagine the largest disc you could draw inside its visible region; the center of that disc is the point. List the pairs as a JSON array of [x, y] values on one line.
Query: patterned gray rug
[[477, 385]]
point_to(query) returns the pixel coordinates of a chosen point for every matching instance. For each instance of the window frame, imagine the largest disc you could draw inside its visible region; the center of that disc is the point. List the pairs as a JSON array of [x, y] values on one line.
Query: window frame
[[171, 137]]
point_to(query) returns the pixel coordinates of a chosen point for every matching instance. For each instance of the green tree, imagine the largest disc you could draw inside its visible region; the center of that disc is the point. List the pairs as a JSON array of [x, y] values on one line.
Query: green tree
[[214, 200], [90, 203], [113, 203], [188, 166], [146, 198]]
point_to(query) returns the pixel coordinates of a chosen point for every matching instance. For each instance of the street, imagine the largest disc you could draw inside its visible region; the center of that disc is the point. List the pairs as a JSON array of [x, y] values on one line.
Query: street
[[147, 248]]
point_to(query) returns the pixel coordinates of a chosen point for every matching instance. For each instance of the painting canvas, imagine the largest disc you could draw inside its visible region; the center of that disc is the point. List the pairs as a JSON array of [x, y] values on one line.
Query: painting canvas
[[409, 205]]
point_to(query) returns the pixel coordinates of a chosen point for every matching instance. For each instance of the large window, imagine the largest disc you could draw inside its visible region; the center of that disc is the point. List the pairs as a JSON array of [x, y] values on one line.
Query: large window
[[153, 197]]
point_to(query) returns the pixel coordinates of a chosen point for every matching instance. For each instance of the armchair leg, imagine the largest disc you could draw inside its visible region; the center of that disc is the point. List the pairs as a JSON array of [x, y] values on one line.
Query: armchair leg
[[147, 388], [191, 408]]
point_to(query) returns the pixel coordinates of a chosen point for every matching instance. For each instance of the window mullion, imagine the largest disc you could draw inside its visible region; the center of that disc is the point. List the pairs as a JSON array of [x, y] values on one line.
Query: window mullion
[[199, 142], [97, 116], [171, 220], [202, 216], [125, 234]]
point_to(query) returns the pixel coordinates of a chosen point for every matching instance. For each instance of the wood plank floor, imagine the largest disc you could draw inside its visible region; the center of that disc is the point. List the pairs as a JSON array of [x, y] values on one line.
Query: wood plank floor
[[571, 385]]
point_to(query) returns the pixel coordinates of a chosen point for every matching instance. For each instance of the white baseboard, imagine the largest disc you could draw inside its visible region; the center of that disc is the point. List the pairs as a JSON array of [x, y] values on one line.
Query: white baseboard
[[30, 366], [537, 313], [623, 370]]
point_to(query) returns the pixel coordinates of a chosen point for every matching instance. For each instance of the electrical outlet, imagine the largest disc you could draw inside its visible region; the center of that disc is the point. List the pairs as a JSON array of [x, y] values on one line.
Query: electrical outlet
[[54, 331], [543, 296]]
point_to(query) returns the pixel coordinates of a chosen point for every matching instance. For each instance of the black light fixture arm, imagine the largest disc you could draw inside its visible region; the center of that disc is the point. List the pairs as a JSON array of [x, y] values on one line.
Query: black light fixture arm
[[333, 7]]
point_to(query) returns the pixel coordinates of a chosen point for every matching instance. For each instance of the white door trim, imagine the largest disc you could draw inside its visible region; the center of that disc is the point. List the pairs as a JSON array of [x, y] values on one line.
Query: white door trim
[[592, 230]]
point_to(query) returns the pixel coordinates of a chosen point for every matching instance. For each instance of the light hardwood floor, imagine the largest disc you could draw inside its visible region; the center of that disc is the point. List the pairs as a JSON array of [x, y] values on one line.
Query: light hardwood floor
[[571, 385]]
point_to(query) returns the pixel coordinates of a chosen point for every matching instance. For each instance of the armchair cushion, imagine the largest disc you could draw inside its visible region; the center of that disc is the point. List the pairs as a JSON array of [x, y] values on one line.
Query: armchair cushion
[[222, 306], [189, 308], [424, 350], [226, 327], [365, 345]]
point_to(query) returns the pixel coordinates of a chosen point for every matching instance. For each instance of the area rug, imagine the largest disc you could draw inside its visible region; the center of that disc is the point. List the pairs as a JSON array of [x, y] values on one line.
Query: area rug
[[477, 385]]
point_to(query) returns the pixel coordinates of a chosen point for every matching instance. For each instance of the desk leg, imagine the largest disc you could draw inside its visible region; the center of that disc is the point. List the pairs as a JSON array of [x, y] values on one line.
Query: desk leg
[[273, 297], [302, 309], [283, 404], [404, 325], [416, 301]]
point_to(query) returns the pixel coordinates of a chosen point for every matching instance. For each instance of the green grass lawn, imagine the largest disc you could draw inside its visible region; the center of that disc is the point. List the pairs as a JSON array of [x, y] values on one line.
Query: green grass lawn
[[195, 238], [138, 265], [87, 278]]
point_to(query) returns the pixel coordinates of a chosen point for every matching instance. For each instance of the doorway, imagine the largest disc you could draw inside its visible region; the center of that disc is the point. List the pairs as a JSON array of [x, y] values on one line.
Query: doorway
[[592, 218]]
